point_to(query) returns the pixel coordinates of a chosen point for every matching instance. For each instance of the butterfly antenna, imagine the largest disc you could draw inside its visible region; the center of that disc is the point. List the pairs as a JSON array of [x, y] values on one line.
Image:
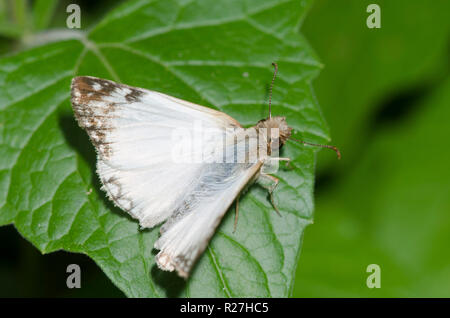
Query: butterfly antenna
[[318, 145], [271, 87]]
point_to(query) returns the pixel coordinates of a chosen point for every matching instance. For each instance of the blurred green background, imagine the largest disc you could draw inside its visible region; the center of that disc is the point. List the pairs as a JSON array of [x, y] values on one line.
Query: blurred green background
[[385, 94]]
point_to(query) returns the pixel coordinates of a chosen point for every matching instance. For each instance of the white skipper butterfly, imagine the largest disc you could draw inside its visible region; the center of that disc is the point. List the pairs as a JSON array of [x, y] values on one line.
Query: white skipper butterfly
[[161, 158]]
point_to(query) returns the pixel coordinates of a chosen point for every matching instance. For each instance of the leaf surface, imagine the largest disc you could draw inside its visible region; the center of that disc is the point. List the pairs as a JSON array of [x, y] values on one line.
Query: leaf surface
[[216, 54]]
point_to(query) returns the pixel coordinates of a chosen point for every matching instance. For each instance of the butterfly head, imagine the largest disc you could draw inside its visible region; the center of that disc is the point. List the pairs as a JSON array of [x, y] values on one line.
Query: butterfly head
[[277, 131], [284, 131]]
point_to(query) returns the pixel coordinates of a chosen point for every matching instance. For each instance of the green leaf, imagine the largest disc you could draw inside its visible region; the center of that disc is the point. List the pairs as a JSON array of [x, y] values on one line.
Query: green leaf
[[12, 18], [43, 11], [215, 54]]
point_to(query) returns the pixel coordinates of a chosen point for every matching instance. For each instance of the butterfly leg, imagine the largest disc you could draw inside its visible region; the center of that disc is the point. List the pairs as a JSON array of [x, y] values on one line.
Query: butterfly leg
[[288, 161], [236, 214], [270, 183]]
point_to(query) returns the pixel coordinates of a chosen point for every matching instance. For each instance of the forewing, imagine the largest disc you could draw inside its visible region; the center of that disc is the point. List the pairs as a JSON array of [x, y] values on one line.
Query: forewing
[[132, 130]]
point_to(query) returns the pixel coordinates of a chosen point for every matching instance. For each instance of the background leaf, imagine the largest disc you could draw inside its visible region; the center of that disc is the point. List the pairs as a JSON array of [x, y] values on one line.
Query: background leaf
[[13, 18], [42, 13], [215, 54], [385, 93], [368, 68]]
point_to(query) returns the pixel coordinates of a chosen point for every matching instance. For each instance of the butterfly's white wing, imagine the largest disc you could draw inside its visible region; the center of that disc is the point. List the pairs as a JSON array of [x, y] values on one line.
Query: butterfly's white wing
[[132, 130], [186, 234]]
